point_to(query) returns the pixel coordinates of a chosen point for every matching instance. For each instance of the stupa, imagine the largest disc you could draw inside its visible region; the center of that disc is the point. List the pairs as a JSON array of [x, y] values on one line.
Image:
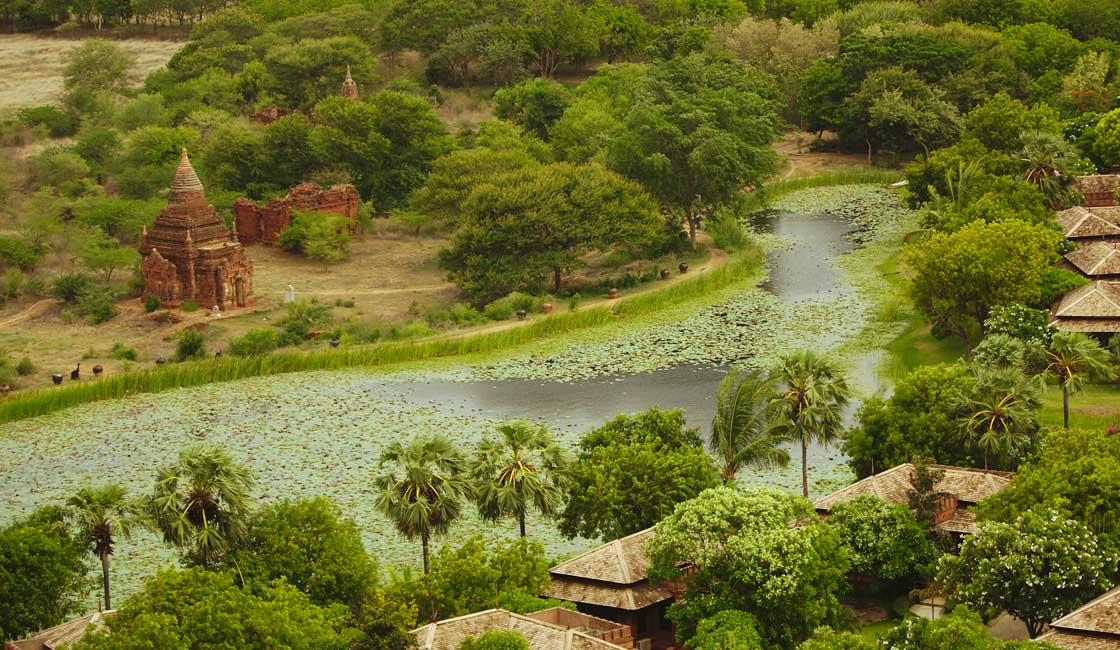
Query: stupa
[[349, 88]]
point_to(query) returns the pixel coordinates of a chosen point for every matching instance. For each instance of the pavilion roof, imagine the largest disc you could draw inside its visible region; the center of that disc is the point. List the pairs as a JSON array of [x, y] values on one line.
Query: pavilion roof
[[1098, 299], [622, 561], [1096, 258], [967, 484], [1079, 222], [448, 634], [1093, 626]]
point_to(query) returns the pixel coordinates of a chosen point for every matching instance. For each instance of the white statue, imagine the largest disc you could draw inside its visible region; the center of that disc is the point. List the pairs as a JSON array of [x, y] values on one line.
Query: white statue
[[289, 294]]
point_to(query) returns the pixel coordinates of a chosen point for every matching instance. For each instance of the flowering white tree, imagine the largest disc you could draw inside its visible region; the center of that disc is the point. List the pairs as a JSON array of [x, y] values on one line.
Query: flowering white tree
[[1038, 568]]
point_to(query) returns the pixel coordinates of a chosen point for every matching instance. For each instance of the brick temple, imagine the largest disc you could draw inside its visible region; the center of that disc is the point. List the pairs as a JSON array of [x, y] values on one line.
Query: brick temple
[[189, 253], [262, 224]]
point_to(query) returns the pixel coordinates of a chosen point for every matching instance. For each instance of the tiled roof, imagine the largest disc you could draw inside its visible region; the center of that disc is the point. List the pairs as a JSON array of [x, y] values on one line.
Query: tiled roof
[[66, 633], [962, 521], [1096, 258], [622, 561], [1101, 615], [1098, 299], [450, 633], [590, 592], [1073, 641], [1079, 222], [966, 484]]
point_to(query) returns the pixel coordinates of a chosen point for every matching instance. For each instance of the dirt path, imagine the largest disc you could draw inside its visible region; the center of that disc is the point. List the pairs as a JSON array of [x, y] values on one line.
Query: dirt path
[[794, 148], [30, 312]]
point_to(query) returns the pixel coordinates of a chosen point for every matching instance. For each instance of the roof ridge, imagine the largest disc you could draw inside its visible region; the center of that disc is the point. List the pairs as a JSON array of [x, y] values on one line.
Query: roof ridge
[[623, 565]]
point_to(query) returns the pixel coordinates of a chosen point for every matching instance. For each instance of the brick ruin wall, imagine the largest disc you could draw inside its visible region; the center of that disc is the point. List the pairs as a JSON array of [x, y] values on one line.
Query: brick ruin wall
[[262, 224]]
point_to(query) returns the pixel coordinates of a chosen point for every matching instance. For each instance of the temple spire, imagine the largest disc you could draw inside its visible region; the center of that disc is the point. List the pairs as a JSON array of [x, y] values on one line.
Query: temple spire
[[349, 88], [186, 184]]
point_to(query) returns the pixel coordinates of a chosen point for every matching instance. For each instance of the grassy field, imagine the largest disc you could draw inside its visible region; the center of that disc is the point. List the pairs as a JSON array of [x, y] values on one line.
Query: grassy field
[[1096, 407]]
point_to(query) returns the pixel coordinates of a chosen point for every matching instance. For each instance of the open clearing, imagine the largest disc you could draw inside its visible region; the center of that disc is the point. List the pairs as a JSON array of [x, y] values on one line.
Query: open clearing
[[31, 66]]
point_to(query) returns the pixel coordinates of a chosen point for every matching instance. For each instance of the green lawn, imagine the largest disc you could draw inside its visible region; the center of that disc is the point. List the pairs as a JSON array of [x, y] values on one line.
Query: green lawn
[[917, 347], [1096, 407], [872, 631]]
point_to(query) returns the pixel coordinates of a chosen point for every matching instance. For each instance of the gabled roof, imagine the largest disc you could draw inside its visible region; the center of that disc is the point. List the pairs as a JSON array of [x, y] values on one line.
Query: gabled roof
[[64, 633], [448, 634], [1098, 299], [622, 561], [1096, 258], [965, 483], [1100, 615], [626, 597], [1079, 222]]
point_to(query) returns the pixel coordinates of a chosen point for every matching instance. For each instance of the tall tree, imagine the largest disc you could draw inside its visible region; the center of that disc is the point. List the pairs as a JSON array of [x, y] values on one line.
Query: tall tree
[[423, 488], [999, 413], [809, 406], [525, 468], [1073, 358], [741, 432], [201, 504], [103, 515]]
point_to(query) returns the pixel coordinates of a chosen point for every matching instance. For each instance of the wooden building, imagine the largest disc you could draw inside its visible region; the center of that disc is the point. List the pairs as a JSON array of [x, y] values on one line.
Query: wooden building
[[1093, 626], [1093, 308], [62, 635], [610, 582], [550, 629], [963, 487]]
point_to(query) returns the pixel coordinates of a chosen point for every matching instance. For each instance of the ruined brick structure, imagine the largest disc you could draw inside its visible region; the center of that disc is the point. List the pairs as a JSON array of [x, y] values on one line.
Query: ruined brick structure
[[263, 224], [271, 114], [190, 254], [349, 88]]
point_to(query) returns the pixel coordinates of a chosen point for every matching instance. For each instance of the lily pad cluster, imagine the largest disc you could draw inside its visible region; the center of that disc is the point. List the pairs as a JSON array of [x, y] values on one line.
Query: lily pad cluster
[[872, 210]]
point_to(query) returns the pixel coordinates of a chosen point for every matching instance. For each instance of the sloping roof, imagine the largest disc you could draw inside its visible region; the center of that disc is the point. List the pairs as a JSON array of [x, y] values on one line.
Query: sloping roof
[[965, 483], [1098, 299], [449, 634], [1098, 183], [65, 633], [186, 182], [590, 592], [1074, 641], [1079, 222], [1100, 615], [961, 521], [622, 561], [1097, 258]]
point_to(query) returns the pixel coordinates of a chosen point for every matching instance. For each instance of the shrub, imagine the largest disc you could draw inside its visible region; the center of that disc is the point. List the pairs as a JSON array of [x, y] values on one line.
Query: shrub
[[254, 342], [1021, 322], [25, 367], [498, 310], [189, 305], [71, 288], [504, 308], [98, 307], [308, 312], [14, 281], [14, 252], [191, 345], [1057, 283], [459, 315], [496, 640], [151, 303], [59, 123], [121, 352], [728, 233], [574, 300]]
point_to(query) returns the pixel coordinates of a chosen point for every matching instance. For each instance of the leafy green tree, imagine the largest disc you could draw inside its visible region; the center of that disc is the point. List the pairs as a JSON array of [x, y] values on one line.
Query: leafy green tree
[[524, 468], [741, 432], [1075, 472], [920, 418], [744, 553], [454, 176], [191, 345], [820, 96], [42, 573], [999, 122], [960, 629], [422, 488], [623, 31], [201, 504], [895, 110], [310, 545], [960, 277], [557, 31], [105, 254], [312, 69], [98, 65], [1106, 144], [1072, 358], [534, 104], [102, 516], [697, 133], [884, 540], [1037, 568], [321, 236], [726, 630], [632, 472], [1050, 164], [541, 223], [496, 640], [826, 638], [384, 623], [221, 615], [1040, 47], [808, 407], [999, 414]]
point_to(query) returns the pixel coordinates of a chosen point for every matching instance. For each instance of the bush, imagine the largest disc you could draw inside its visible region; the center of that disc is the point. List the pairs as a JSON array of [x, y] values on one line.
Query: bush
[[189, 305], [496, 640], [25, 367], [1021, 322], [151, 303], [505, 308], [98, 308], [14, 252], [574, 300], [1057, 283], [728, 233], [71, 288], [254, 342], [498, 310], [121, 352], [308, 312], [59, 123], [457, 315], [191, 345]]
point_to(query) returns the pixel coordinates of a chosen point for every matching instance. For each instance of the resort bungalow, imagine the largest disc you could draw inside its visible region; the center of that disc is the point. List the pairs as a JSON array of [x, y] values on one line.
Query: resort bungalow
[[963, 487], [550, 629], [1099, 189], [610, 582], [1094, 626], [1093, 308], [63, 635]]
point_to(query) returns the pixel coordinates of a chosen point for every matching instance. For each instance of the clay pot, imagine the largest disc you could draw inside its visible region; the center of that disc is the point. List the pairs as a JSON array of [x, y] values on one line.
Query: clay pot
[[683, 266], [665, 274], [97, 370], [613, 293], [521, 314], [5, 389], [160, 361], [334, 343], [546, 308], [56, 378], [218, 354]]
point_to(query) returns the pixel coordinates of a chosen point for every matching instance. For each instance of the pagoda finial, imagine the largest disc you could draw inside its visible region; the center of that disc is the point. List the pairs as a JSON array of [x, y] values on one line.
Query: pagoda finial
[[348, 77], [186, 184], [349, 88]]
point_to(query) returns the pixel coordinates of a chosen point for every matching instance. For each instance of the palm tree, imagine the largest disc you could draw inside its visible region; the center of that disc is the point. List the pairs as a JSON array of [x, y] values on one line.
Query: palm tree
[[102, 515], [201, 504], [1073, 357], [809, 407], [524, 468], [741, 431], [999, 412], [1049, 165], [424, 490]]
